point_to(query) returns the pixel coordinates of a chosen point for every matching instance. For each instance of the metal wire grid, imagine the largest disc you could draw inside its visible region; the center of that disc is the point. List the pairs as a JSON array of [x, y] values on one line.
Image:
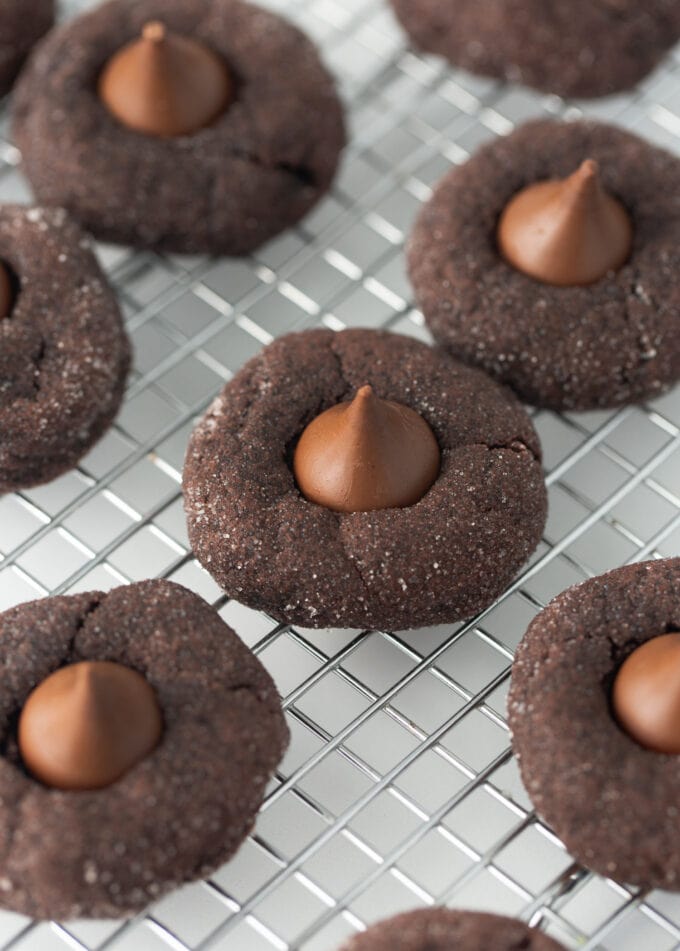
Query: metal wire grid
[[399, 788]]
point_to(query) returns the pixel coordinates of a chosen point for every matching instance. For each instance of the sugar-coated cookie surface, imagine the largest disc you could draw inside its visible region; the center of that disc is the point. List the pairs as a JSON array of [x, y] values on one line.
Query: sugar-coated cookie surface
[[64, 354], [441, 559], [612, 802], [605, 344], [439, 929], [580, 49], [224, 189], [181, 811]]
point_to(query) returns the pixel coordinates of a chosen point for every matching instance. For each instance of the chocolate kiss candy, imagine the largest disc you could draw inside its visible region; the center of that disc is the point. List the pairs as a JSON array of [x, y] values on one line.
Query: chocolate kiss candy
[[366, 454], [566, 232], [646, 694], [87, 724], [165, 84], [6, 292]]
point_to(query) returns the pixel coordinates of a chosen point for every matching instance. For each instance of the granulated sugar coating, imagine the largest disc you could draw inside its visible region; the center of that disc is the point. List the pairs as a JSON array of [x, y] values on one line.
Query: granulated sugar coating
[[222, 190], [612, 802], [440, 929], [607, 344], [180, 812], [580, 48], [64, 354], [444, 558]]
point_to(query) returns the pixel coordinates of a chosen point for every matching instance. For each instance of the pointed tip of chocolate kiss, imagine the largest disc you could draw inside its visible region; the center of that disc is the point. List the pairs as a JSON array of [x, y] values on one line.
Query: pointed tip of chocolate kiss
[[366, 454], [165, 84], [364, 400], [587, 169], [87, 724], [89, 687], [566, 232], [584, 184], [154, 31]]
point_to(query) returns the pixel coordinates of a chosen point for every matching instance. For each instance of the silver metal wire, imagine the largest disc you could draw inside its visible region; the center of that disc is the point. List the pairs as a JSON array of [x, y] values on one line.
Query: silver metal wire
[[399, 789]]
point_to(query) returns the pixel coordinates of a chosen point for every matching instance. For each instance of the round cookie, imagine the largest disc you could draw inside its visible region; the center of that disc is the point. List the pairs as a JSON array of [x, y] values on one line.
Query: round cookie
[[224, 189], [64, 354], [22, 23], [438, 929], [582, 48], [441, 559], [612, 802], [180, 812], [602, 345]]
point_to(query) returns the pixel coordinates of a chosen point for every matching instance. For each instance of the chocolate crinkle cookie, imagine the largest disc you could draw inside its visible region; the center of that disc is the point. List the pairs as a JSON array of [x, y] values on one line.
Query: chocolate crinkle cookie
[[443, 558], [609, 343], [612, 800], [438, 929], [250, 171], [64, 354], [584, 48], [22, 23], [182, 810]]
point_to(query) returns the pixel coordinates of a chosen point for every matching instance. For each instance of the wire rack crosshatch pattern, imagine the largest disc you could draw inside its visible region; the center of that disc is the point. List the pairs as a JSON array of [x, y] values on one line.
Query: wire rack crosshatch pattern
[[399, 789]]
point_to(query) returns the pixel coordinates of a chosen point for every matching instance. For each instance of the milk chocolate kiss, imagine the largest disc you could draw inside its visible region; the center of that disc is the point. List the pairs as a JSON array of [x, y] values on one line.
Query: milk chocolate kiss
[[646, 694], [87, 724], [366, 454], [566, 232], [165, 84], [6, 292]]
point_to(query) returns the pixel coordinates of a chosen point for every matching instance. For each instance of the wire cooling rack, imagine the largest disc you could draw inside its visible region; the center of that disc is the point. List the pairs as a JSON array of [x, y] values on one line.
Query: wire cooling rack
[[399, 789]]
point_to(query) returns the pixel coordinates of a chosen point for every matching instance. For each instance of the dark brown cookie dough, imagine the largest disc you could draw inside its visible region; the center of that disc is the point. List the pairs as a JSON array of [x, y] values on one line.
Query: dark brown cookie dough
[[64, 354], [612, 802], [175, 816], [22, 23], [606, 344], [582, 48], [444, 558], [438, 929], [225, 189]]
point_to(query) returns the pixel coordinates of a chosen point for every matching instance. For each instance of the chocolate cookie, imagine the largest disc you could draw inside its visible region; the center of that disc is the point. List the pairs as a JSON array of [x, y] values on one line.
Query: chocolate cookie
[[64, 354], [582, 48], [443, 558], [178, 813], [438, 929], [22, 23], [605, 344], [613, 802], [225, 188]]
